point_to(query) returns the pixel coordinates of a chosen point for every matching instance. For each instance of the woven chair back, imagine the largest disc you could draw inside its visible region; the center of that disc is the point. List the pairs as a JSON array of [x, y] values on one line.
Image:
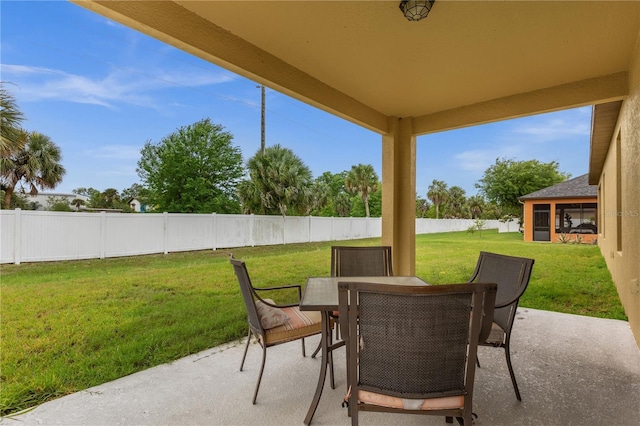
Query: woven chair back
[[246, 289], [414, 342], [512, 275], [348, 261]]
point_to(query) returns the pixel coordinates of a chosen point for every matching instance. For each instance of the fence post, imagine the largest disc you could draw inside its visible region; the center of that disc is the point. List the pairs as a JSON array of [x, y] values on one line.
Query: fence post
[[103, 233], [351, 228], [333, 238], [214, 243], [165, 230], [252, 237], [17, 239]]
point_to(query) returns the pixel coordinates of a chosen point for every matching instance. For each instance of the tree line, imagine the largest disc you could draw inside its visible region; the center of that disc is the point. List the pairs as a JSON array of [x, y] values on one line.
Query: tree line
[[197, 169]]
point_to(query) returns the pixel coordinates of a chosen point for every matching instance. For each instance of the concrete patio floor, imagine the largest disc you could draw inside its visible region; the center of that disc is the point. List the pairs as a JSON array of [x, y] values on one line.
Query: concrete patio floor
[[572, 370]]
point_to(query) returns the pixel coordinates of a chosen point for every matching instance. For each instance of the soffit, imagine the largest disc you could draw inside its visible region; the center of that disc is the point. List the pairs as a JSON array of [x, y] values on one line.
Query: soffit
[[603, 124], [364, 61]]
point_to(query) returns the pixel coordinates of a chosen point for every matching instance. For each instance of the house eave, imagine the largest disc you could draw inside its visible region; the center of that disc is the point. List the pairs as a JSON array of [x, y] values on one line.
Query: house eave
[[603, 124]]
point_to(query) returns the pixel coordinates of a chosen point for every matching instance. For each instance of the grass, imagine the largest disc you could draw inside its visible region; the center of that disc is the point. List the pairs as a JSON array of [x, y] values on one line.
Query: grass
[[67, 326]]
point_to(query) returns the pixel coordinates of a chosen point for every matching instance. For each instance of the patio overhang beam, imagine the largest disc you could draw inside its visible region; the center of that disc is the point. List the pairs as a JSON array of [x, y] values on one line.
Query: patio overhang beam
[[571, 95]]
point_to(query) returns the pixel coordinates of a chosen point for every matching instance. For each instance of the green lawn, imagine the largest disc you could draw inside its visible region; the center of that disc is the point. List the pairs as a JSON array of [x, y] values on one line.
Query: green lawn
[[67, 326]]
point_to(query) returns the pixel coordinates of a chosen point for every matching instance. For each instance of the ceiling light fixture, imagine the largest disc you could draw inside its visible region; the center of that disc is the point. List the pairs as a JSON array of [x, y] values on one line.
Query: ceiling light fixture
[[415, 10]]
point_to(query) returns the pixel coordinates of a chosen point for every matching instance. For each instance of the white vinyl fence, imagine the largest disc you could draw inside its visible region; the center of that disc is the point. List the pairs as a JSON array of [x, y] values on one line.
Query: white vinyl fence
[[36, 236]]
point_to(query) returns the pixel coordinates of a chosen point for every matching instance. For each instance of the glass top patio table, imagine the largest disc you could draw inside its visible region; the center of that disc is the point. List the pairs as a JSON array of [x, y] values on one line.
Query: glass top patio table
[[321, 294]]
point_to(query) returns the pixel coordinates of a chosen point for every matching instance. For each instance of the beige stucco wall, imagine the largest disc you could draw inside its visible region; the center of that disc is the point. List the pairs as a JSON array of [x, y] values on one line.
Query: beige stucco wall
[[624, 264]]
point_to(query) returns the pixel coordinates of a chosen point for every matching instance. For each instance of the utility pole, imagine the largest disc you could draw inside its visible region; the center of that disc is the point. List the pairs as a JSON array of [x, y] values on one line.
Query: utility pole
[[262, 142]]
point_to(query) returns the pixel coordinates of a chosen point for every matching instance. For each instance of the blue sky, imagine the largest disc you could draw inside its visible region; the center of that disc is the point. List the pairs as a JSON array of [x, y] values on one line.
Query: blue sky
[[101, 90]]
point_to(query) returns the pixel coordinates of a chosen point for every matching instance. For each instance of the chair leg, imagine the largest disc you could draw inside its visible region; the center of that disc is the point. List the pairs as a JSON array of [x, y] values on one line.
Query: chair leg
[[317, 350], [303, 350], [354, 413], [245, 349], [264, 357], [507, 353], [330, 355]]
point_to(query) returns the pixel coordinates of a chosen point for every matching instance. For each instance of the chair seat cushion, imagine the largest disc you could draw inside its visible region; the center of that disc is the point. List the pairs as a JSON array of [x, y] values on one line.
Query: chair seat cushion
[[299, 324], [270, 316], [442, 403]]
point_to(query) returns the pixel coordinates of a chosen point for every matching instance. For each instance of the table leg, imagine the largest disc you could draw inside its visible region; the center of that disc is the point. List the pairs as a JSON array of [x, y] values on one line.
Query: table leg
[[324, 343], [330, 358]]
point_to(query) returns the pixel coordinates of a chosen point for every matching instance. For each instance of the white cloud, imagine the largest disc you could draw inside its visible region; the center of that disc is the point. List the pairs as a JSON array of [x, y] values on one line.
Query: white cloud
[[121, 171], [475, 160], [559, 126], [129, 86], [478, 160]]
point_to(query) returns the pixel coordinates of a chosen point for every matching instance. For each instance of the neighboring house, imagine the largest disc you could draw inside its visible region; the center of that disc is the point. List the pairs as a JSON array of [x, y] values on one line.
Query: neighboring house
[[42, 199], [137, 206], [134, 204], [567, 211]]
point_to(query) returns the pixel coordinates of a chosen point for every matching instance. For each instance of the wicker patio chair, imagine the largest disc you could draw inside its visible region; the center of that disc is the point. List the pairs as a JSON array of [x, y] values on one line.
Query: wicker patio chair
[[512, 276], [350, 261], [270, 323], [412, 349]]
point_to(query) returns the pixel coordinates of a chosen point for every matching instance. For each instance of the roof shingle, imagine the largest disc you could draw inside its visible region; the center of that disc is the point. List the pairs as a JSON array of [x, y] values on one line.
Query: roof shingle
[[573, 188]]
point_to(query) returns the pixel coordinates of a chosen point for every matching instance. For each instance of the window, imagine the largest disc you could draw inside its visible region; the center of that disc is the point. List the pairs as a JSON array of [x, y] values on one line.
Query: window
[[577, 218]]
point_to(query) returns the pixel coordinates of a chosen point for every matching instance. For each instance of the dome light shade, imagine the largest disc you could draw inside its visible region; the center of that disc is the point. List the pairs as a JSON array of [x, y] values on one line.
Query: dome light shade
[[415, 10]]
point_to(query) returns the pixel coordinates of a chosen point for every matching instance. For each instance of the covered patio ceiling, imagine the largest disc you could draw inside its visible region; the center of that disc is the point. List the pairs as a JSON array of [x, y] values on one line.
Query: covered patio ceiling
[[468, 62]]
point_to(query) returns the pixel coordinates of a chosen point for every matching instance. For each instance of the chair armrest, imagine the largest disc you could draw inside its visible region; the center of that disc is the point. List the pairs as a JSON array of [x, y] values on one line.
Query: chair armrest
[[279, 287], [283, 287]]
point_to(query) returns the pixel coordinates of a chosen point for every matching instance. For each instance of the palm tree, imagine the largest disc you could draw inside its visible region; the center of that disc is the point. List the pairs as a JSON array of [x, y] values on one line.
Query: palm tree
[[438, 194], [422, 207], [342, 204], [319, 197], [476, 205], [362, 180], [77, 203], [456, 202], [111, 198], [10, 120], [279, 183], [36, 164]]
